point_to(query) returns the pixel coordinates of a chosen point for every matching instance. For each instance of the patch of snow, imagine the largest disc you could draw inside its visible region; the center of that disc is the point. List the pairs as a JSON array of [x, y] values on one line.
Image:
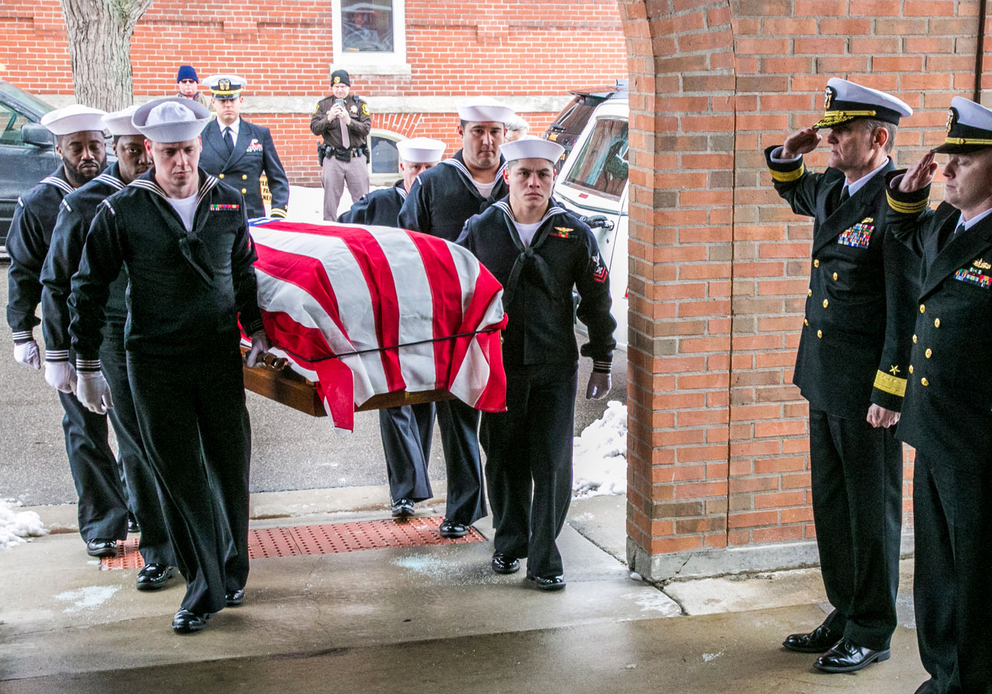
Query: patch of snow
[[634, 576], [86, 598], [707, 657], [15, 526], [599, 454], [654, 601]]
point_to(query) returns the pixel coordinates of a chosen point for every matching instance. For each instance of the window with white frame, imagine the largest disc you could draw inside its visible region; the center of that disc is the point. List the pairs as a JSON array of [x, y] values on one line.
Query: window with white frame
[[370, 35], [384, 162]]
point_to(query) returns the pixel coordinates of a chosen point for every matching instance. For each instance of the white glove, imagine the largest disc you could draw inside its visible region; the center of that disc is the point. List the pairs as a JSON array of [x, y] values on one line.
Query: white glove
[[93, 391], [27, 353], [259, 345], [61, 375], [599, 386]]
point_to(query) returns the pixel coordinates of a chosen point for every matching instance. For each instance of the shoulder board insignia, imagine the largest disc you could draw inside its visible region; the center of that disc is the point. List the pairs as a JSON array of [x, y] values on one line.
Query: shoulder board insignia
[[365, 109], [982, 264], [562, 232], [867, 220]]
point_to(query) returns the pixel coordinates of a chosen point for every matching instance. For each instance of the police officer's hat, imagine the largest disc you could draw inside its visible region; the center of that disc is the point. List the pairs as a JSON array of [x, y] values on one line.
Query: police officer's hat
[[340, 77], [484, 109], [171, 119], [73, 119], [969, 127], [846, 101], [225, 87], [531, 148], [421, 150], [119, 122]]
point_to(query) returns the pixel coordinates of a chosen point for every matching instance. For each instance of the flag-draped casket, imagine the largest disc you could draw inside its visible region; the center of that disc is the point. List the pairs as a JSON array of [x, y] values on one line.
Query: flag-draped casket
[[363, 311]]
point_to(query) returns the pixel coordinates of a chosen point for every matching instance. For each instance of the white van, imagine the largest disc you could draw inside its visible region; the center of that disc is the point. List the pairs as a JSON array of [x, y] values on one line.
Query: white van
[[592, 184]]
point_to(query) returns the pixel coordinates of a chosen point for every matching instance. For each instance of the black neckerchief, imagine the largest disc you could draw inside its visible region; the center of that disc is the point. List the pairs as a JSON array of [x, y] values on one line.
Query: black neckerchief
[[527, 259]]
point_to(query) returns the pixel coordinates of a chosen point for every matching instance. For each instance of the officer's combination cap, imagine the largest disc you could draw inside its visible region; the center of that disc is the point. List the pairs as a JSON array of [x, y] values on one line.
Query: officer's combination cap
[[171, 119], [969, 127], [531, 148], [340, 77], [421, 150], [225, 87], [845, 101], [484, 109], [119, 122], [73, 119]]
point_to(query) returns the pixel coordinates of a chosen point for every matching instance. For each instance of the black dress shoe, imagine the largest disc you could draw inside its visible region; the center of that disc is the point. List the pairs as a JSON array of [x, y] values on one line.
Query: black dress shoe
[[820, 640], [132, 524], [552, 583], [101, 548], [402, 508], [155, 576], [237, 598], [451, 529], [846, 656], [186, 622], [505, 564]]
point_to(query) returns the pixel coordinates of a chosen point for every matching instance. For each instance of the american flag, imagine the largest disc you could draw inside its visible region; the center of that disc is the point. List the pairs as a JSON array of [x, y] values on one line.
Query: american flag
[[366, 310]]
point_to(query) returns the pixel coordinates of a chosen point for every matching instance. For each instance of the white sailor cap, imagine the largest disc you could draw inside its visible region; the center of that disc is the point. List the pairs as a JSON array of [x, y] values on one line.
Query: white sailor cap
[[484, 109], [119, 122], [969, 127], [421, 150], [73, 119], [225, 87], [531, 148], [845, 101], [171, 119]]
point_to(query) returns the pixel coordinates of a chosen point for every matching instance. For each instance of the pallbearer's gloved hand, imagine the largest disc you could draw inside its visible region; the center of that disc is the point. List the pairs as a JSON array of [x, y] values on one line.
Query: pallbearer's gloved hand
[[599, 386], [61, 376], [259, 345], [27, 353], [94, 392]]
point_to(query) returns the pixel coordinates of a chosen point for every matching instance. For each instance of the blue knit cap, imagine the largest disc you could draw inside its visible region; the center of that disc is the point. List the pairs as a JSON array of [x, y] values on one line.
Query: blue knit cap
[[186, 72]]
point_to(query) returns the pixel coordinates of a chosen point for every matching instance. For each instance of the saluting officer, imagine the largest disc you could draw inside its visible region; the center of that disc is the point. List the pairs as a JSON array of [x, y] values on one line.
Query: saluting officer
[[344, 121], [406, 430], [851, 366], [948, 412], [539, 251], [102, 505], [439, 203], [182, 236], [77, 212], [238, 152]]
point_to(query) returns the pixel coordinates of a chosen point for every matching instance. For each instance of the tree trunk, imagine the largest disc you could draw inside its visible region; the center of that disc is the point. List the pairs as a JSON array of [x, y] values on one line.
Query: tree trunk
[[99, 34]]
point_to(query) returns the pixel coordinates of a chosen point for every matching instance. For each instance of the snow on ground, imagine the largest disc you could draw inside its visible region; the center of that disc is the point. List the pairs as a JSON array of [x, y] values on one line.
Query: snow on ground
[[15, 526], [600, 465]]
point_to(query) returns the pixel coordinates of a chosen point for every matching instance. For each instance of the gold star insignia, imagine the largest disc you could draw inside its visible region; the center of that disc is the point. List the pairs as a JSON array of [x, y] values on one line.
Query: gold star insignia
[[894, 370]]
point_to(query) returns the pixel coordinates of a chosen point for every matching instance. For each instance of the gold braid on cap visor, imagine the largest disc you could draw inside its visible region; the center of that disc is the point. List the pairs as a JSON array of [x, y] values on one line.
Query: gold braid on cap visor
[[966, 141], [832, 118]]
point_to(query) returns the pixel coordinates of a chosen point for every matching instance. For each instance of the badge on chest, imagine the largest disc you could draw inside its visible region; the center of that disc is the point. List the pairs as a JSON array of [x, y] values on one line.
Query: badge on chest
[[562, 232], [255, 146], [977, 274], [858, 236], [225, 208]]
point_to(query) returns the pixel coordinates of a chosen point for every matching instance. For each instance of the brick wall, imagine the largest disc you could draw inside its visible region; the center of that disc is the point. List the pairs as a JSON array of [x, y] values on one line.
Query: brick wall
[[718, 448], [284, 49]]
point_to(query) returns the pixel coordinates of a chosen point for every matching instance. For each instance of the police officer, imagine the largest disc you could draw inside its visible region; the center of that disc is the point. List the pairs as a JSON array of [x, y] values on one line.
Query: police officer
[[539, 251], [851, 366], [238, 152], [102, 506], [406, 430], [68, 237], [182, 236], [439, 203], [189, 85], [344, 121], [948, 412]]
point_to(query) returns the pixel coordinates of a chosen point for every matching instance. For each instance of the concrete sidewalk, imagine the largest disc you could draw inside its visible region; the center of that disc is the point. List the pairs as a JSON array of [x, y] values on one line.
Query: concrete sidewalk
[[419, 619]]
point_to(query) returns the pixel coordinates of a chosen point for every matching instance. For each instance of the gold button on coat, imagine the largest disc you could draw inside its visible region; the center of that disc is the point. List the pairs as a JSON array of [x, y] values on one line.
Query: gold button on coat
[[819, 333], [914, 339], [825, 303], [923, 308], [805, 322], [924, 382], [809, 292], [220, 175], [244, 177], [910, 368], [244, 190], [816, 263], [929, 353], [835, 277], [936, 322]]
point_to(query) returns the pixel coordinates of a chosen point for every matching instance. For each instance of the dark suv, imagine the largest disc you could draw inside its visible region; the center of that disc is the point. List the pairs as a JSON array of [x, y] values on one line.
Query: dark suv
[[27, 150], [566, 128]]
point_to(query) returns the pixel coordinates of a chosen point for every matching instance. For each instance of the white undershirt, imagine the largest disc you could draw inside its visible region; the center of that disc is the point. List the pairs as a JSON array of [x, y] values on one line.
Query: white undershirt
[[527, 231], [485, 189], [185, 208]]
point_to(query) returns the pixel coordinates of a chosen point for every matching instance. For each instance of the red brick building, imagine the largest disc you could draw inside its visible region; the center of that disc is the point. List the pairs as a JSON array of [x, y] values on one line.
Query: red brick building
[[525, 53]]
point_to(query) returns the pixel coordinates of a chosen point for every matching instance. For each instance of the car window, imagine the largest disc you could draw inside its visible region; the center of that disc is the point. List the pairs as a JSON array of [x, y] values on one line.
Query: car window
[[10, 125], [601, 166]]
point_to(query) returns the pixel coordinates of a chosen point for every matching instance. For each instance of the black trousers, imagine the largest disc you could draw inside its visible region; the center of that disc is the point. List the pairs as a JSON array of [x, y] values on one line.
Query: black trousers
[[460, 440], [857, 509], [952, 513], [142, 488], [96, 473], [195, 431], [406, 439], [529, 464]]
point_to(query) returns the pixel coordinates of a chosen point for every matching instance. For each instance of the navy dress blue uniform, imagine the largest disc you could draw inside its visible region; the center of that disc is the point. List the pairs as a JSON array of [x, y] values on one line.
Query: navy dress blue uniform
[[241, 166], [853, 352], [186, 292], [68, 238], [440, 202], [407, 430], [102, 505], [530, 445]]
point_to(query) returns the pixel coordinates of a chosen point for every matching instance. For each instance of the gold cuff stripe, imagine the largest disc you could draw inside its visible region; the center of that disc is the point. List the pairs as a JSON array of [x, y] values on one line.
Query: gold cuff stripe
[[788, 176], [907, 207], [887, 383]]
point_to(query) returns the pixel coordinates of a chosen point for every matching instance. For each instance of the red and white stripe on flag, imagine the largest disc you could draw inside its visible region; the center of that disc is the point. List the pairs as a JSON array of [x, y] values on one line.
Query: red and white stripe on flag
[[365, 310]]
